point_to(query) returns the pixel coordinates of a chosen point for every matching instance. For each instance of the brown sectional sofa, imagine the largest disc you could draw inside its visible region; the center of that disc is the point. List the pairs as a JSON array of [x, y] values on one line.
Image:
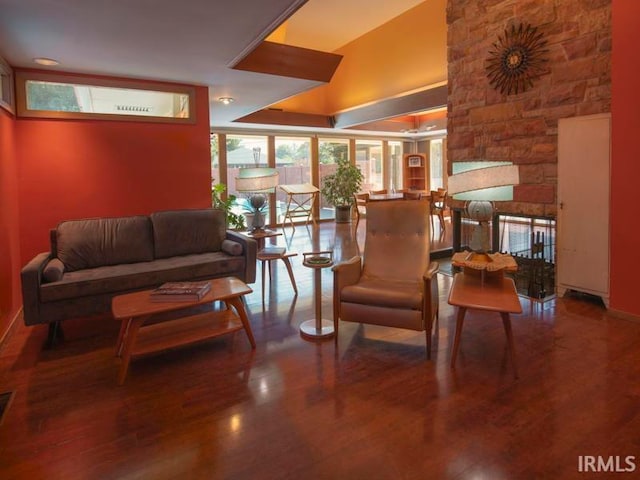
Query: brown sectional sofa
[[92, 260]]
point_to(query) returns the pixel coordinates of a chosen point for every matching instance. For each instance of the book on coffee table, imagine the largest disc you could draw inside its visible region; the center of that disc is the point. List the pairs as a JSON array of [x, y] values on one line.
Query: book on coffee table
[[180, 291]]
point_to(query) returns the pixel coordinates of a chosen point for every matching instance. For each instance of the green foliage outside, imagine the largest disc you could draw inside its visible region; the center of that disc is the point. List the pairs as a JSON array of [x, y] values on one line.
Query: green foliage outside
[[292, 152], [214, 146], [232, 144], [330, 152], [52, 97]]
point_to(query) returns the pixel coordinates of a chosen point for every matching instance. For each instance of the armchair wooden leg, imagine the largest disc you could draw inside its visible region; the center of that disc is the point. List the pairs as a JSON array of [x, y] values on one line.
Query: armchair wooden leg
[[456, 339]]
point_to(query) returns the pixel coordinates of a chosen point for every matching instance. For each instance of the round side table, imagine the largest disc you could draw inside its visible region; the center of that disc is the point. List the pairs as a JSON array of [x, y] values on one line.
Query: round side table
[[317, 328]]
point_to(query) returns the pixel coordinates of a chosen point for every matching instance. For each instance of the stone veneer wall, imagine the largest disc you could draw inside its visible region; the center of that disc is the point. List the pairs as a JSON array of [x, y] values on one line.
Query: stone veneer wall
[[484, 124]]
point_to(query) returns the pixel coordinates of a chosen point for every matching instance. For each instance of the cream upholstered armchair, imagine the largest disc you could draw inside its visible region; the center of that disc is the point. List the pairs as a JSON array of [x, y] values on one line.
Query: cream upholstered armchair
[[394, 283]]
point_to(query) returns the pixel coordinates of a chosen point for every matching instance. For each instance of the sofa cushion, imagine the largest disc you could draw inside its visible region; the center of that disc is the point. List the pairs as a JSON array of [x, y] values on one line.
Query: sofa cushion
[[137, 276], [97, 242], [184, 232]]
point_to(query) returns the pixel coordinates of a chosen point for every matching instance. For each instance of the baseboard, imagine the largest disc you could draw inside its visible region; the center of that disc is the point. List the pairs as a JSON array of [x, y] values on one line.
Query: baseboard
[[5, 334], [623, 315]]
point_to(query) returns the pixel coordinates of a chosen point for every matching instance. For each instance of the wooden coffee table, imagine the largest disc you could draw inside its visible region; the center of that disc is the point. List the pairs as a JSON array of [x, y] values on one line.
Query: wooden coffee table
[[139, 335]]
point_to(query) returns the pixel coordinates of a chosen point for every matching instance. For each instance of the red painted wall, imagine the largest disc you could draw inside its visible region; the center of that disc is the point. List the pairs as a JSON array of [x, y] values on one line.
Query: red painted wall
[[625, 164], [78, 168], [10, 263]]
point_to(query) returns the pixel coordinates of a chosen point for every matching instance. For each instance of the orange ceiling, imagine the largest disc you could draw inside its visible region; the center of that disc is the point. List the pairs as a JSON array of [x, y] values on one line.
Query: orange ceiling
[[404, 54]]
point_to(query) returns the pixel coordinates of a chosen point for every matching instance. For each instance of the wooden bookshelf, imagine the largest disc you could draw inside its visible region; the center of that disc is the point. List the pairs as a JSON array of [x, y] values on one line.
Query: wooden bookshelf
[[415, 171]]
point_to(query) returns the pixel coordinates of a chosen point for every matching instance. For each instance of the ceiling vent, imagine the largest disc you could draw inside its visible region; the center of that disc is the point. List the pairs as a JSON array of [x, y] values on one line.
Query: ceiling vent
[[133, 108]]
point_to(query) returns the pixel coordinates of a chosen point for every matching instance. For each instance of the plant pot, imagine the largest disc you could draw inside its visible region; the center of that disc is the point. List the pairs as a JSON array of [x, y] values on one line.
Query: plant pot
[[343, 214], [255, 220]]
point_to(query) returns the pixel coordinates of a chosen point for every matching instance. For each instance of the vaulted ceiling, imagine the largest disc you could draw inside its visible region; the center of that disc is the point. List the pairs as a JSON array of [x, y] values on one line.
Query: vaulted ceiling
[[391, 55]]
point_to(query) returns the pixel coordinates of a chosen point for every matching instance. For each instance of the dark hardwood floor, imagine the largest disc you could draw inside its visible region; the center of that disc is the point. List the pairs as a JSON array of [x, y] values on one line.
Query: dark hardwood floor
[[370, 407]]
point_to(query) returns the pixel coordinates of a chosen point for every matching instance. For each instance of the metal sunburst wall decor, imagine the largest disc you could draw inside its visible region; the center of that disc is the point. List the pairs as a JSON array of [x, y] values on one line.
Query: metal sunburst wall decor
[[516, 59]]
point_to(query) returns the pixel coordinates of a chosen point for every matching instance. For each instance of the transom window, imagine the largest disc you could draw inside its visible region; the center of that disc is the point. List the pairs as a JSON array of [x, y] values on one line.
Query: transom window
[[48, 96], [6, 86]]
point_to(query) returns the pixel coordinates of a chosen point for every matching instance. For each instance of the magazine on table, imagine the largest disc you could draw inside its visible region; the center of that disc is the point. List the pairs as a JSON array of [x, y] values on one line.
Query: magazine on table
[[180, 291]]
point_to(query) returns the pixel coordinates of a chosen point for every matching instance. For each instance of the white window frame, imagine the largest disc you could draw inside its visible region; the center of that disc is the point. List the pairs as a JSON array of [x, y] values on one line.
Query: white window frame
[[7, 94]]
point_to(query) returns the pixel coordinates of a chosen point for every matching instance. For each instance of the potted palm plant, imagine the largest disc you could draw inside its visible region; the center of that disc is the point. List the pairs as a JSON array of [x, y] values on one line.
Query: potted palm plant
[[340, 187], [254, 210]]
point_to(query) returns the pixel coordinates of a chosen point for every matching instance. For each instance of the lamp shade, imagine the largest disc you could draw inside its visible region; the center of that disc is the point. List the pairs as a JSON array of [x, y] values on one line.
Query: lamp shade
[[481, 183], [257, 180], [483, 180]]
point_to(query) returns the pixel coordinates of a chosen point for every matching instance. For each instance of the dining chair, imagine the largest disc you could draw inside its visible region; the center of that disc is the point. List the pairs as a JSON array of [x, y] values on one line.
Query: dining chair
[[379, 192], [360, 203], [409, 195], [438, 205]]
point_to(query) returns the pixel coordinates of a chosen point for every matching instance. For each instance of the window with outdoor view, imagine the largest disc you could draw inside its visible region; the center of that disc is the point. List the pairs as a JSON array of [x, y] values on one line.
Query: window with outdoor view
[[293, 162], [6, 86], [369, 159], [395, 167], [330, 150], [244, 151], [42, 95], [436, 164], [215, 158]]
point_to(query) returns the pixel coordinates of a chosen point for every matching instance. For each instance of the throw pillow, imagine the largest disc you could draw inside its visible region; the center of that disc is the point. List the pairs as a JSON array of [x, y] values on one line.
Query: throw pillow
[[232, 248], [53, 271]]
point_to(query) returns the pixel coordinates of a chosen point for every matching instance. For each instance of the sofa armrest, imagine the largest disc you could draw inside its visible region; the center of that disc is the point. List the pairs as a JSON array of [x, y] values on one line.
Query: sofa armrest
[[250, 248], [31, 278]]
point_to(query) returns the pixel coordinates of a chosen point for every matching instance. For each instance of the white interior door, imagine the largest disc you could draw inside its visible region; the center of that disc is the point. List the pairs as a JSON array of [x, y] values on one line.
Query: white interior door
[[583, 204]]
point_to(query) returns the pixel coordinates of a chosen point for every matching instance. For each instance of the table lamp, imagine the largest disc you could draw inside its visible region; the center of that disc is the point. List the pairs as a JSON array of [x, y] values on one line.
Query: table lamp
[[256, 183], [480, 183]]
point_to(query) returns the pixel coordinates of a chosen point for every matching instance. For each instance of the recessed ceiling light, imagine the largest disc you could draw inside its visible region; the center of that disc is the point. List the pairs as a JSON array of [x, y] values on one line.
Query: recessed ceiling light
[[226, 100], [49, 62]]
